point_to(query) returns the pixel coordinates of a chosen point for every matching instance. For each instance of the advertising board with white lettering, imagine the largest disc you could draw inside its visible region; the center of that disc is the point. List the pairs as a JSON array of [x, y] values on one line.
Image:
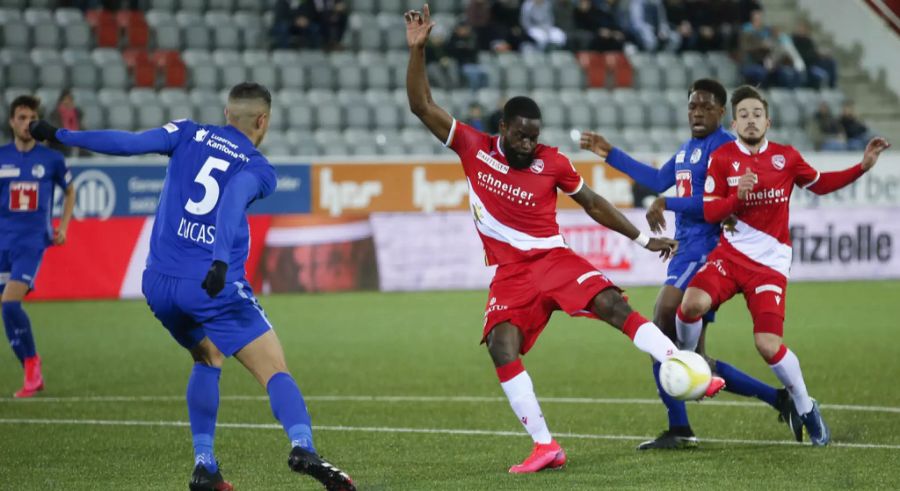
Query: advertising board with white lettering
[[442, 251], [113, 189]]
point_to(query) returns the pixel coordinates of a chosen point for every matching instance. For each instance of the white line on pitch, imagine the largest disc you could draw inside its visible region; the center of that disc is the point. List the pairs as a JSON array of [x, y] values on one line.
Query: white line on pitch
[[433, 431], [360, 398]]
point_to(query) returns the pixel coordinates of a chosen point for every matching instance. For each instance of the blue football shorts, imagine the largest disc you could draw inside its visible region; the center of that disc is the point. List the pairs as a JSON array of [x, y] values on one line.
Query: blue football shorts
[[231, 320], [20, 264], [682, 268]]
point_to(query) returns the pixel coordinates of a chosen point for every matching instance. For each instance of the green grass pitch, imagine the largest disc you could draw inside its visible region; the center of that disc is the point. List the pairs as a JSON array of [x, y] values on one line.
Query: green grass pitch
[[403, 397]]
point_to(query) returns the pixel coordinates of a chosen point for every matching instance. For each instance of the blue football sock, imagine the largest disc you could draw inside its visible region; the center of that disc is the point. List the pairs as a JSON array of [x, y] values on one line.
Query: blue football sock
[[203, 407], [290, 409], [18, 330], [739, 382], [677, 410]]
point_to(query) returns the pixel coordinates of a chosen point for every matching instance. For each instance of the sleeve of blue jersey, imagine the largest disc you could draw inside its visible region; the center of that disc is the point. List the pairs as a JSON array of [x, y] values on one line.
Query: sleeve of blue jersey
[[113, 142], [240, 191], [265, 173], [656, 179]]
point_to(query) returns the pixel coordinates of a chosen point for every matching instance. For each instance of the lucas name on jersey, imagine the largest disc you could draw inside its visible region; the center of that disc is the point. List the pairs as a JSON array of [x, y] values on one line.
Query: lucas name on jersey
[[199, 233]]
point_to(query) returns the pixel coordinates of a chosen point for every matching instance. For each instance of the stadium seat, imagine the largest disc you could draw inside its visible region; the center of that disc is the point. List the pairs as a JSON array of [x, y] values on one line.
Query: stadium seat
[[302, 143], [252, 5], [330, 142], [387, 116], [637, 140], [320, 77], [16, 36], [725, 68], [134, 25], [581, 116], [121, 117], [301, 116], [393, 6], [350, 76], [225, 33], [515, 78], [659, 112], [389, 143], [223, 5], [192, 5], [571, 77], [253, 29]]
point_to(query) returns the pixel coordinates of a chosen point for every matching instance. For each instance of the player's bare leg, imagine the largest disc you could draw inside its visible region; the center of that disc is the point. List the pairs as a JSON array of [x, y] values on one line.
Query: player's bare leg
[[21, 339], [504, 343], [203, 408], [786, 366], [264, 358]]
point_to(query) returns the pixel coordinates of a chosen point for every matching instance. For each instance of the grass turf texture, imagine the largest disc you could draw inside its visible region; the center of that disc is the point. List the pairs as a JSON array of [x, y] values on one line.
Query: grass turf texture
[[426, 344]]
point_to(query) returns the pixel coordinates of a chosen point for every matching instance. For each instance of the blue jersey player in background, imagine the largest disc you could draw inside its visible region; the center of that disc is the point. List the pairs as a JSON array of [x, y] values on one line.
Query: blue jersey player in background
[[194, 278], [29, 174], [686, 170]]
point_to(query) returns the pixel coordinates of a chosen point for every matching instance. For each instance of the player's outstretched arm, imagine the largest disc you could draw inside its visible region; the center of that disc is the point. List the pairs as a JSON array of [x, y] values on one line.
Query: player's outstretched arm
[[604, 213], [832, 181], [435, 118], [646, 175], [112, 142]]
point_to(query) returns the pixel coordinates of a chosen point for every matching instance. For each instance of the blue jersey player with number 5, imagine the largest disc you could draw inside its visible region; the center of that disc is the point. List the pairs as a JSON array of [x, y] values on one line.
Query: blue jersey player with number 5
[[686, 170], [194, 278]]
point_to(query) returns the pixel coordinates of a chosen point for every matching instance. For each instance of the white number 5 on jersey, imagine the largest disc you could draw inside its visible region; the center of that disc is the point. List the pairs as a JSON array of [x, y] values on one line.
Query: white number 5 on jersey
[[210, 187]]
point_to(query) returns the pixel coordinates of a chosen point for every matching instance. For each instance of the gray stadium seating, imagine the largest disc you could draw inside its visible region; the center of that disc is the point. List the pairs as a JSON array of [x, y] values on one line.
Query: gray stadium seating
[[16, 36]]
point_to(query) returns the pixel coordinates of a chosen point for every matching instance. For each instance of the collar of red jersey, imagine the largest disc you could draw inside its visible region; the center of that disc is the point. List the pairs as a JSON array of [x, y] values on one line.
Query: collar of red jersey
[[744, 149], [500, 146]]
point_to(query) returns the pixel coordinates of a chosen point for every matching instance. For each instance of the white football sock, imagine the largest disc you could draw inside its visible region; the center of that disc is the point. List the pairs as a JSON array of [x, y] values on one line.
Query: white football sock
[[788, 372], [520, 392], [688, 332], [649, 339]]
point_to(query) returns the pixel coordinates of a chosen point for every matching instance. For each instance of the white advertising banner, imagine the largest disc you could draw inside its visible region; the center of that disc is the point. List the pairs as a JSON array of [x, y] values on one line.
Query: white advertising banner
[[442, 250]]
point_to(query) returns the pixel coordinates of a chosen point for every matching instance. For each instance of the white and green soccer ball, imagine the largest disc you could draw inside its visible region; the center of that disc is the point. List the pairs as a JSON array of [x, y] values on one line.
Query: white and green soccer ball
[[685, 376]]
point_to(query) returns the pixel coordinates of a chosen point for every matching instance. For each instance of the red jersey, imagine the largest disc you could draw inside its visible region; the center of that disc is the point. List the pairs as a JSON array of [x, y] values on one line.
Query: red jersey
[[514, 209], [761, 231]]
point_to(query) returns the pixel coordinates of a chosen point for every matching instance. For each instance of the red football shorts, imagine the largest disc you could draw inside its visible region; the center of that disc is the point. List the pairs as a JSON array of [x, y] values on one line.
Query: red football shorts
[[527, 293], [764, 289]]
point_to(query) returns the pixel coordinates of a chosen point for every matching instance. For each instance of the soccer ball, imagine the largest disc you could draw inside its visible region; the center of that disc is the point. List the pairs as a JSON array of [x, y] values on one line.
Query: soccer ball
[[685, 376]]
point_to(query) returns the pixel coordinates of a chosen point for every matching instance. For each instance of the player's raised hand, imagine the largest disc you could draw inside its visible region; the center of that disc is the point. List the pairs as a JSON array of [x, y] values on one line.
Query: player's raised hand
[[873, 151], [746, 183], [418, 27], [596, 143], [665, 247], [655, 217]]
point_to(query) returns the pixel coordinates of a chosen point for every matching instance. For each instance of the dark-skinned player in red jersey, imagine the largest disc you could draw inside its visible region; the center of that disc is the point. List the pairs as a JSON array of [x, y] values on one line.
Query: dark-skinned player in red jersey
[[748, 186], [513, 182]]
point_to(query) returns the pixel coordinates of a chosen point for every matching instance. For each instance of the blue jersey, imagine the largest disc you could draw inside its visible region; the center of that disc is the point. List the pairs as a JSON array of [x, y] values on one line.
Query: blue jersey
[[688, 167], [27, 182], [203, 160], [687, 171]]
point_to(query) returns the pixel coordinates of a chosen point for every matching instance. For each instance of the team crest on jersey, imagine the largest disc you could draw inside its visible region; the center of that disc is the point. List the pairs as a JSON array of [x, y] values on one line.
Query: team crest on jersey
[[710, 184], [778, 161], [200, 135], [695, 155], [38, 171], [679, 157], [537, 166]]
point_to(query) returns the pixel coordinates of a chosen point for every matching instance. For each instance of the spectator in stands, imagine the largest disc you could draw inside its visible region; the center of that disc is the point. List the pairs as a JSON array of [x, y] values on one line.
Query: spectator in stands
[[600, 28], [331, 17], [295, 25], [767, 56], [701, 24], [537, 19], [478, 16], [442, 70], [745, 9], [475, 116], [821, 69], [650, 26], [858, 134], [65, 114], [827, 132], [508, 35], [463, 47]]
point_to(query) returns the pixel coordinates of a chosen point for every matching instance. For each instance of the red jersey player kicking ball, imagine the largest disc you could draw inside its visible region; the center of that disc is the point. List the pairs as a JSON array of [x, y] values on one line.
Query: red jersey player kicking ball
[[513, 182], [749, 185]]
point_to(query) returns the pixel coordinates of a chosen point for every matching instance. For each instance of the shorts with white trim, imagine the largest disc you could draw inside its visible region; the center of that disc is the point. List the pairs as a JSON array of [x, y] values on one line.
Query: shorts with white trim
[[20, 264], [231, 320], [724, 276], [528, 292], [682, 268]]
